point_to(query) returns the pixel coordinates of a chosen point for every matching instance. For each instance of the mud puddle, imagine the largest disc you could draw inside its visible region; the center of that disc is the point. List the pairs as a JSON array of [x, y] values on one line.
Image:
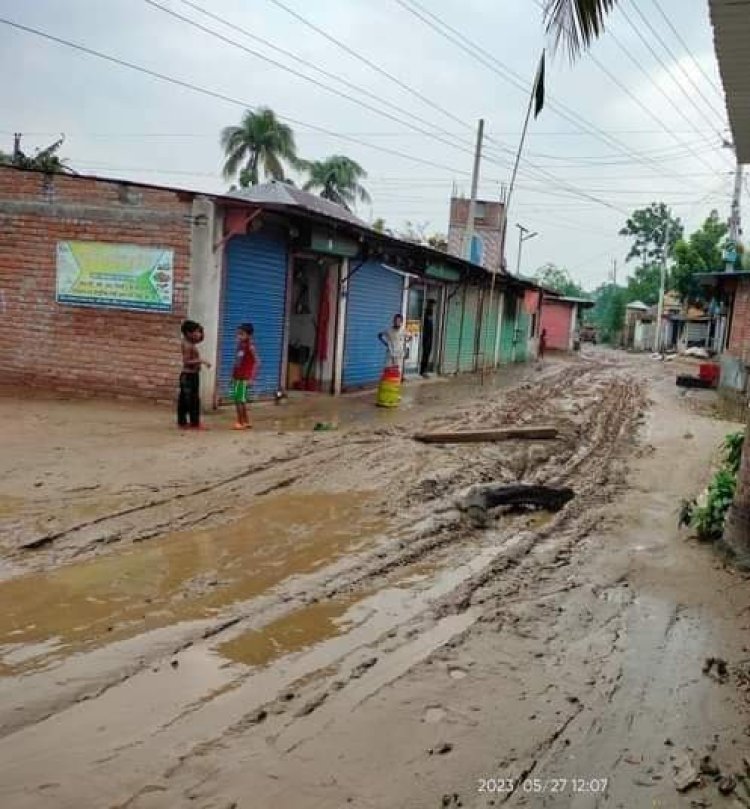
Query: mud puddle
[[178, 577]]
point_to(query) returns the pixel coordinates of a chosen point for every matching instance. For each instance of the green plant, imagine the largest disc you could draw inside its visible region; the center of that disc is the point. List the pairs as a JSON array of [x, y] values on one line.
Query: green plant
[[733, 451], [707, 514], [710, 510]]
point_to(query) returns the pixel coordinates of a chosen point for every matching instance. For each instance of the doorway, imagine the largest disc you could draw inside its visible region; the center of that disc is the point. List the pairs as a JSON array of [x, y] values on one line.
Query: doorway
[[312, 324], [421, 300]]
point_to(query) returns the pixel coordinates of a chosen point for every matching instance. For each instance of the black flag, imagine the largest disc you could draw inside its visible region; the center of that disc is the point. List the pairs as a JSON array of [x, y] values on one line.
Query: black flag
[[539, 88]]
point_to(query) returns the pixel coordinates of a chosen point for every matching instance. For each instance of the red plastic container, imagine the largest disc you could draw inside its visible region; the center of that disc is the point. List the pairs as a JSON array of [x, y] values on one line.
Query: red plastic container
[[709, 372]]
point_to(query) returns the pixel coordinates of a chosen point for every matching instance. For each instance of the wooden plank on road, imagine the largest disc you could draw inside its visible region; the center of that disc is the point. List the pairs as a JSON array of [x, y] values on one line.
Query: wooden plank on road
[[478, 436]]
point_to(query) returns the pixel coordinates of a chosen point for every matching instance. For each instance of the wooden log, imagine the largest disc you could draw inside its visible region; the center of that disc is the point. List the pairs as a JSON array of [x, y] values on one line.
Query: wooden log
[[477, 436]]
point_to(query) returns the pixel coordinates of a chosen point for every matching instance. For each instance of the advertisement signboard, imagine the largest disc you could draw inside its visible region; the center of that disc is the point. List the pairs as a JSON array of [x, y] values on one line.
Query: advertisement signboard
[[121, 276]]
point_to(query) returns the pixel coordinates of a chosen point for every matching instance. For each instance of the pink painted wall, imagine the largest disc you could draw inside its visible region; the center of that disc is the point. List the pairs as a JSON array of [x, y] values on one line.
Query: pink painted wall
[[556, 319]]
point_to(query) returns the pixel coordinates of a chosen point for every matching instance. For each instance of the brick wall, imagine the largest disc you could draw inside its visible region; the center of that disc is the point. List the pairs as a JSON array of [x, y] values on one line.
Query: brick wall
[[488, 226], [739, 337], [83, 350]]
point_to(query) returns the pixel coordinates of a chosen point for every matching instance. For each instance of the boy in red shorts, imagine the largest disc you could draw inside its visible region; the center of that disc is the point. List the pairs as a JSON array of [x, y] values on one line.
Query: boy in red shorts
[[245, 370]]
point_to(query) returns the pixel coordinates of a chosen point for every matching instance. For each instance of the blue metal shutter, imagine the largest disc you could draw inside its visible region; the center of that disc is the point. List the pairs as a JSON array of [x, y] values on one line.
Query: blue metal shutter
[[375, 296], [255, 292]]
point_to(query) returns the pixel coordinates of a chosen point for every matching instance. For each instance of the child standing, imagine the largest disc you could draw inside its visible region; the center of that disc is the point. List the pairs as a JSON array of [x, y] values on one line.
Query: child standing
[[189, 400], [245, 370]]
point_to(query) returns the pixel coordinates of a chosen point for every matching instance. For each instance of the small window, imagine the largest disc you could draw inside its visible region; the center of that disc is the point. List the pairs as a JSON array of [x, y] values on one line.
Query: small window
[[480, 211], [477, 249]]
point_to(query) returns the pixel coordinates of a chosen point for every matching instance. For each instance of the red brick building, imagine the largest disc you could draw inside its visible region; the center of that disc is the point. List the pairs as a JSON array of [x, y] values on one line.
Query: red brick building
[[75, 348]]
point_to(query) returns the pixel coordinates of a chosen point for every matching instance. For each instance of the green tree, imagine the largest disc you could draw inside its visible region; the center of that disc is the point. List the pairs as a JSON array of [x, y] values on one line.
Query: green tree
[[609, 311], [649, 229], [260, 141], [559, 279], [338, 179], [701, 252], [644, 283]]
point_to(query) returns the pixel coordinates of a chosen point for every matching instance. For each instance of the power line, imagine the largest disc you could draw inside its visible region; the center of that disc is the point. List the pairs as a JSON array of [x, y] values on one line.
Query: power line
[[682, 42], [658, 58], [305, 77], [157, 5], [372, 65], [649, 112], [220, 96], [660, 39], [496, 66], [291, 55], [244, 104]]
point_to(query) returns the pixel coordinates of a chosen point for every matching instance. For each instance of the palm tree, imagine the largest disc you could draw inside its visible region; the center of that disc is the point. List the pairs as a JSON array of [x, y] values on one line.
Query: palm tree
[[260, 141], [576, 23], [338, 178]]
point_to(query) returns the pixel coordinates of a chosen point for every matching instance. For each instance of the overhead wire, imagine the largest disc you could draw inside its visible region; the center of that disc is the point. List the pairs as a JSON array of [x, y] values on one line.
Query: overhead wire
[[450, 33], [659, 59], [637, 101], [709, 104], [221, 96], [541, 171], [466, 148]]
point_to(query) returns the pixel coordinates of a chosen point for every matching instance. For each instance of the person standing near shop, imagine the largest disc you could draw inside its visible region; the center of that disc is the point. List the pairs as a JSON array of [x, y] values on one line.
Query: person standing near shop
[[428, 331], [394, 340]]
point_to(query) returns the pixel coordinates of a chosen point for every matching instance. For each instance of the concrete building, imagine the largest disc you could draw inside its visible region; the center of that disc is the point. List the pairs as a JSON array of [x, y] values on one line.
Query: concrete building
[[486, 246]]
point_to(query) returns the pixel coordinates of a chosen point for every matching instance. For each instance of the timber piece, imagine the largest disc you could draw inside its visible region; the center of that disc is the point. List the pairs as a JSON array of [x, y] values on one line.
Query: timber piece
[[477, 436]]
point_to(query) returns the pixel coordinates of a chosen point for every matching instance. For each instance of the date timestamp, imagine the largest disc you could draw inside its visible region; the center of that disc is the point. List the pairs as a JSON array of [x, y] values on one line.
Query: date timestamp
[[543, 786]]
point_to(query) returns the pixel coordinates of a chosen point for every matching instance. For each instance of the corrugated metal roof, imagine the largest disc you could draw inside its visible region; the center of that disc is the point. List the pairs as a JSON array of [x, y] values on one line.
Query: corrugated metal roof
[[275, 193], [731, 23]]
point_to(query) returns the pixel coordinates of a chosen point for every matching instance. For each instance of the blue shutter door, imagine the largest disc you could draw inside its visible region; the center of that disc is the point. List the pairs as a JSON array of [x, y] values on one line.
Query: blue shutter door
[[254, 292], [375, 296]]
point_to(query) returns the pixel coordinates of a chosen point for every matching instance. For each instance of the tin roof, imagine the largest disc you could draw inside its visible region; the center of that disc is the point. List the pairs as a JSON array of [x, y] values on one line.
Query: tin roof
[[283, 194]]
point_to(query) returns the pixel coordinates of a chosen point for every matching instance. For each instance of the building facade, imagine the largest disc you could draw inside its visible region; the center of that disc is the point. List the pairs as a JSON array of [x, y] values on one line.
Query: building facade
[[96, 276]]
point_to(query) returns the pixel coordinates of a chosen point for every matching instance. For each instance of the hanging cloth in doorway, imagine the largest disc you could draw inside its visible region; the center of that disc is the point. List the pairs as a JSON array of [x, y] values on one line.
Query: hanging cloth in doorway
[[324, 314]]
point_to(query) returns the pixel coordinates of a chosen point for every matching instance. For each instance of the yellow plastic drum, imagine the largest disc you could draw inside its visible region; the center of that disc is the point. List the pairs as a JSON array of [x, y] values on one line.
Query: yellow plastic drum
[[389, 389]]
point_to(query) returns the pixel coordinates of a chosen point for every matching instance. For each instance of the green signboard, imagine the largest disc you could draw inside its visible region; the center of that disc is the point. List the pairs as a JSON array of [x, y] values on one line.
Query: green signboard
[[122, 276], [443, 273]]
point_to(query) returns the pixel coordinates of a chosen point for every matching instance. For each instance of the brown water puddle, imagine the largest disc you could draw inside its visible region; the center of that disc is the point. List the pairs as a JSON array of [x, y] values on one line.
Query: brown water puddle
[[291, 633], [181, 576]]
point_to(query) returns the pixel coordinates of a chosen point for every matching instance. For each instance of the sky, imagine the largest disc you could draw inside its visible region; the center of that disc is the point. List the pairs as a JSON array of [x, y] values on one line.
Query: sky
[[641, 118]]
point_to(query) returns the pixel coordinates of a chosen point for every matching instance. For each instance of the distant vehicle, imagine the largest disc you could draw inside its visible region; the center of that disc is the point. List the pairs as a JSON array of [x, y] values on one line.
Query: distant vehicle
[[588, 334]]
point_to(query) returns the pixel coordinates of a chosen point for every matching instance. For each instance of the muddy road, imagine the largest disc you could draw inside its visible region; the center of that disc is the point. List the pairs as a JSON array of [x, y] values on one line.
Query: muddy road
[[298, 618]]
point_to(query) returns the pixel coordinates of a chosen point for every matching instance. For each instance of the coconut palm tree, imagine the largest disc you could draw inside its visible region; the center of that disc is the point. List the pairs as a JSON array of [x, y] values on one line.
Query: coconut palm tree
[[576, 23], [338, 178], [261, 141]]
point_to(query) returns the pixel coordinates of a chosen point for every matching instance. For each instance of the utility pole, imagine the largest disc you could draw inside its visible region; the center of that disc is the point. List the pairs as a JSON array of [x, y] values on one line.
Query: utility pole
[[662, 285], [614, 271], [735, 229], [16, 146], [474, 190]]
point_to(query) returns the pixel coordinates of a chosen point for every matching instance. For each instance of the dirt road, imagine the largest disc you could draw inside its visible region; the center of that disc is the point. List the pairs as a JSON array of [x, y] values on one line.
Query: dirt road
[[298, 619]]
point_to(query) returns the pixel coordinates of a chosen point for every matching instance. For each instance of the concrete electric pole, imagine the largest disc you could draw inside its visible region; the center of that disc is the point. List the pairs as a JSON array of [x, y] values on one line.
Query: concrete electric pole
[[735, 228], [469, 235]]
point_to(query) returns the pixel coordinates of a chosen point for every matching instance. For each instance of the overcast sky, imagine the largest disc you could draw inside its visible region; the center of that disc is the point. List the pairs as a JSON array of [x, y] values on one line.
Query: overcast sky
[[582, 174]]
